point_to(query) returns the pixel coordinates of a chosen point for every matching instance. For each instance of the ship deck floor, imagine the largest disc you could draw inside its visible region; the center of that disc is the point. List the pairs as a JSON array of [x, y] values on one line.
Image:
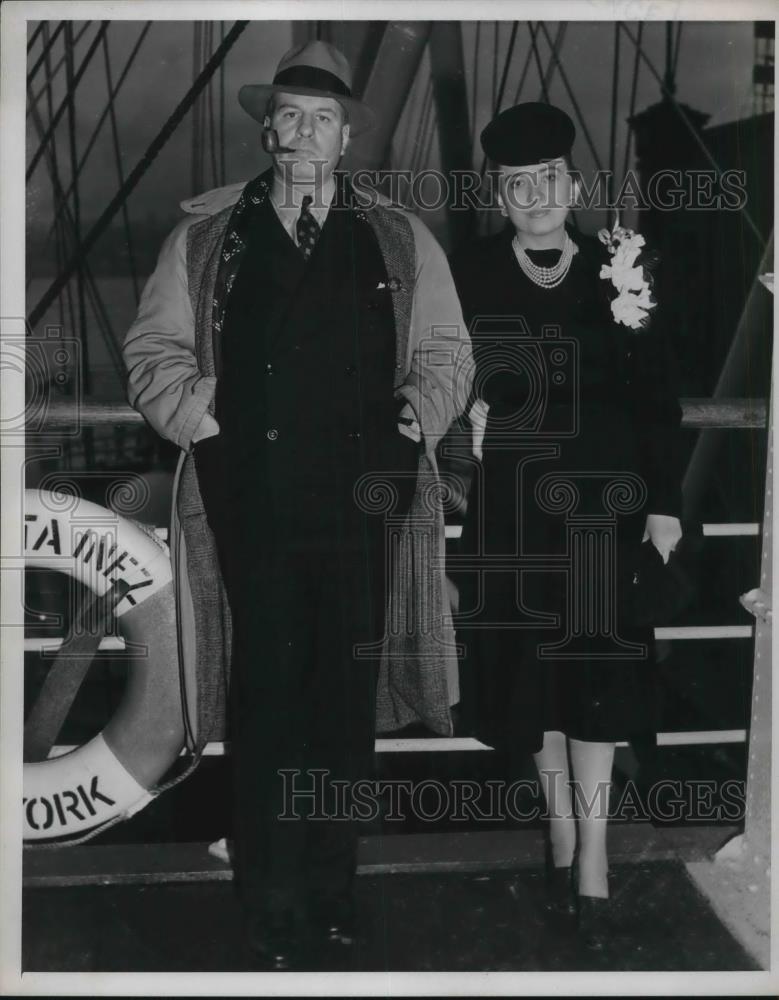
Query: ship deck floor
[[426, 922]]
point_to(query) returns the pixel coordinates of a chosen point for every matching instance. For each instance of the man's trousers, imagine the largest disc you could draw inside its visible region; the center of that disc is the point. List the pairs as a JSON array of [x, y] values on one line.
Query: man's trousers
[[300, 700]]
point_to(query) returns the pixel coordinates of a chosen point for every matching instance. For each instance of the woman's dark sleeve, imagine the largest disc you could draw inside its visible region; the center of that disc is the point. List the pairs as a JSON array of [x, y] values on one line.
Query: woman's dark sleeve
[[460, 266], [654, 384], [494, 385]]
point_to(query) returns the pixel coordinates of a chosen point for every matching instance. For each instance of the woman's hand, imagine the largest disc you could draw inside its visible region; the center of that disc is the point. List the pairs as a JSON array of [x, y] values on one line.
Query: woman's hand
[[478, 418], [664, 532]]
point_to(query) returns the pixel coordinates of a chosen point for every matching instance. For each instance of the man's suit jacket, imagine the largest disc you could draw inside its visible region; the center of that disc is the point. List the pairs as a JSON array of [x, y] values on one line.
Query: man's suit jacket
[[169, 352]]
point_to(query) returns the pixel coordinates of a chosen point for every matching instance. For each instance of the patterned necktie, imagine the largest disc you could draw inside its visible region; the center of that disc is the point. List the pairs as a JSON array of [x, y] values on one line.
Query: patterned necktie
[[307, 228]]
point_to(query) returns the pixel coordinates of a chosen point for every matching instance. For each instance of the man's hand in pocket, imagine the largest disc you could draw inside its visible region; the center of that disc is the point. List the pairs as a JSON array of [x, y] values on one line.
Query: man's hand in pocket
[[408, 425]]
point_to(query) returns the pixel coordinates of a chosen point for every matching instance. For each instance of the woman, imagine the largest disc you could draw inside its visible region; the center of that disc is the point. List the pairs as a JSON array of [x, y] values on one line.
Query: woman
[[576, 423]]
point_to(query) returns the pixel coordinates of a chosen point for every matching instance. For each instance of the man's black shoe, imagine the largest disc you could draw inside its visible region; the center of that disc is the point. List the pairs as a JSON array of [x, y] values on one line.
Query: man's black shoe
[[275, 944], [333, 921]]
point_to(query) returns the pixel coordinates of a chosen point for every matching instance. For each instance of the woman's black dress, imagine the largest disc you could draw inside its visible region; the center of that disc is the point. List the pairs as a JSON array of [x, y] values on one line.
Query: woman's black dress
[[581, 443]]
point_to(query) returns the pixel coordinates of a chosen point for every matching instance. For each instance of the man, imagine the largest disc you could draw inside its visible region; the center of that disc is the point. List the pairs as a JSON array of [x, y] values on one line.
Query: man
[[304, 351]]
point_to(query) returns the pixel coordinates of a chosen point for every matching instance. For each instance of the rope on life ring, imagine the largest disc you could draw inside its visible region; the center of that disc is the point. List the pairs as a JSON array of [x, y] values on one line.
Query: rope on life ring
[[113, 775]]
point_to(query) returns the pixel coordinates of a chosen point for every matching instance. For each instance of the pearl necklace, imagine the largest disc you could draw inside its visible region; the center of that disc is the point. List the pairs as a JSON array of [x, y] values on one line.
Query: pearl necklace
[[546, 277]]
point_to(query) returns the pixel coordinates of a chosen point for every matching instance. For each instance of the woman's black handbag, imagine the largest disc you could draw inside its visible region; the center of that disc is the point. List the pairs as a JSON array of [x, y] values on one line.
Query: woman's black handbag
[[656, 593]]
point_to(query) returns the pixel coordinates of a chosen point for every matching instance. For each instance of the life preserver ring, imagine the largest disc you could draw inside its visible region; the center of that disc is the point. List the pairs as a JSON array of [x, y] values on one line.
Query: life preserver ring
[[114, 773]]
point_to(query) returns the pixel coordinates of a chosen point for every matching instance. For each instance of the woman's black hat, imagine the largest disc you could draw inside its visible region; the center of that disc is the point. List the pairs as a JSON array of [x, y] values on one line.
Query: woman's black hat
[[528, 133]]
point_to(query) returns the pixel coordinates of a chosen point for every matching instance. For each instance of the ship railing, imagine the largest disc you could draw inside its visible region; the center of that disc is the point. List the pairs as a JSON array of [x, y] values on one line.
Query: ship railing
[[698, 414]]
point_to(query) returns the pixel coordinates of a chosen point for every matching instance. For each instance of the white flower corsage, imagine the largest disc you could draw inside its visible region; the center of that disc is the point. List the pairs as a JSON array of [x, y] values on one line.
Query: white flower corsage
[[629, 277]]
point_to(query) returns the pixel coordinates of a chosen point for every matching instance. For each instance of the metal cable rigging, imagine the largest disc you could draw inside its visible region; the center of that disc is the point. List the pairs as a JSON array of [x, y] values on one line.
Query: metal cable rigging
[[52, 72], [67, 219], [523, 76], [613, 131], [537, 57], [73, 82], [502, 89], [633, 93], [222, 147], [112, 95], [195, 155], [86, 374], [87, 286], [138, 172], [34, 37], [205, 157], [572, 98], [46, 50], [677, 46], [120, 171], [60, 230], [552, 65], [211, 112], [690, 127], [475, 64], [495, 54]]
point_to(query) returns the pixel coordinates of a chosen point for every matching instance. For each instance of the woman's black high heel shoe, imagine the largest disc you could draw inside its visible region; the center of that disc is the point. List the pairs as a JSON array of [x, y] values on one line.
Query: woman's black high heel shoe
[[595, 929], [560, 897]]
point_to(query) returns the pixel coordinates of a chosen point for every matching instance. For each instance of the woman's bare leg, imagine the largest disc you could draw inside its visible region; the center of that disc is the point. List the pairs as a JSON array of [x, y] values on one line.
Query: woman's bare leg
[[591, 764], [552, 763]]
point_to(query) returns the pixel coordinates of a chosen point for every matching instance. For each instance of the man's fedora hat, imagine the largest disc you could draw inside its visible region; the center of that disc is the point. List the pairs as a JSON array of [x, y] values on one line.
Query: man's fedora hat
[[316, 69]]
